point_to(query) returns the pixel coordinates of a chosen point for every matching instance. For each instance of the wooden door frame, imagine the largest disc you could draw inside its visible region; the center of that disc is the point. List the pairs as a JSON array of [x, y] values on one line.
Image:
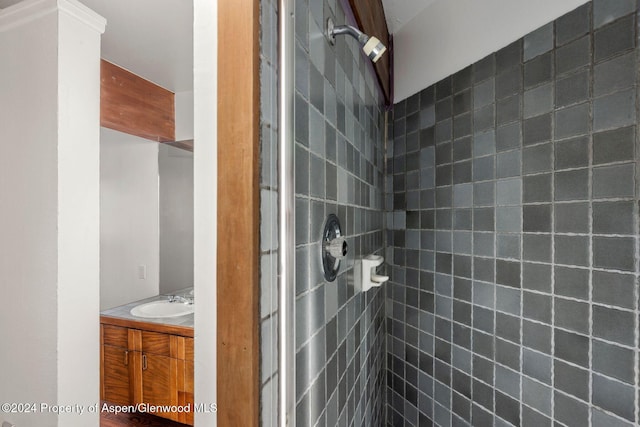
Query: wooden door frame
[[238, 213]]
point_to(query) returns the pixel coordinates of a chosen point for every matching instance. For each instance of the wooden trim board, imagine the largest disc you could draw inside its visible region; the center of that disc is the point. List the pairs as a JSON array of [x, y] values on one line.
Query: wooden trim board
[[133, 105], [238, 213], [370, 19]]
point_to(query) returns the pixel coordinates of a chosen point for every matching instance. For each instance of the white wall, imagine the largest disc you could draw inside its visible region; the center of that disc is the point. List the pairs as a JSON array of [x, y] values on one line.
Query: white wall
[[28, 217], [205, 70], [78, 210], [176, 218], [49, 250], [184, 115], [450, 35], [129, 218]]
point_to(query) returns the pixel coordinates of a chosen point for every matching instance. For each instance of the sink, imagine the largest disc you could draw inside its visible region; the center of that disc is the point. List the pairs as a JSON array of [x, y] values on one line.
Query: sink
[[162, 308]]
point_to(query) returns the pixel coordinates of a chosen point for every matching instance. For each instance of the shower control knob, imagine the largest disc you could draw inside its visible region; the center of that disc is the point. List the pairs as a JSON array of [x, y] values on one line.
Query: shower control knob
[[334, 248], [337, 247]]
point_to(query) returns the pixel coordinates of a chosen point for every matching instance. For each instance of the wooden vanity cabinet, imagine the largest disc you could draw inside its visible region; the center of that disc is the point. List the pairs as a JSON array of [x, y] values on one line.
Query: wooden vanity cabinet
[[151, 367]]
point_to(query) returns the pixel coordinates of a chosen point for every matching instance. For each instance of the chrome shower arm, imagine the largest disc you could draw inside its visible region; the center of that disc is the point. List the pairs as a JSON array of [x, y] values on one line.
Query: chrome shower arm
[[348, 29]]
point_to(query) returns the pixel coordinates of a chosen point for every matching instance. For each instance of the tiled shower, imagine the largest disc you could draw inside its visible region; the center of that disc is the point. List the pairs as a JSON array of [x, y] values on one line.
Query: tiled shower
[[505, 201], [339, 169], [511, 227]]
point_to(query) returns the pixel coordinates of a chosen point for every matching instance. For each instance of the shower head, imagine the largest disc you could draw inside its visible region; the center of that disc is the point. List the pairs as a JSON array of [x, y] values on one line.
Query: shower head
[[371, 46]]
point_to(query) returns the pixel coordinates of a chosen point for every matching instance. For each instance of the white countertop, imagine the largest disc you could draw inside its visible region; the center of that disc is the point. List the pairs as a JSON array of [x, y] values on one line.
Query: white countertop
[[124, 311]]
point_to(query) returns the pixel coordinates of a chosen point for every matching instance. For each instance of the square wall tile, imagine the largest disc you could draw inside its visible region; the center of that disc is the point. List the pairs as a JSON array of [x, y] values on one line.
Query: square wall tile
[[537, 307], [571, 217], [572, 121], [613, 181], [616, 253], [484, 168], [509, 219], [571, 315], [508, 273], [509, 82], [573, 56], [571, 380], [572, 153], [571, 250], [572, 185], [484, 93], [613, 325], [508, 109], [536, 365], [606, 11], [538, 100], [536, 218], [508, 246], [536, 395], [536, 247], [613, 361], [536, 277], [614, 75], [537, 158], [508, 164], [572, 347], [509, 191], [615, 38], [538, 337], [538, 70], [613, 289], [614, 396], [509, 56], [613, 111], [538, 41], [613, 217], [537, 188], [574, 24], [508, 137], [614, 145], [569, 410], [536, 129], [484, 143], [571, 282]]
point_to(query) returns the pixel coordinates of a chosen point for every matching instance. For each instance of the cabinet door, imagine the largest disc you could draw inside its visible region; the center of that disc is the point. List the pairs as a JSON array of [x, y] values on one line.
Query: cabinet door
[[159, 385], [115, 373]]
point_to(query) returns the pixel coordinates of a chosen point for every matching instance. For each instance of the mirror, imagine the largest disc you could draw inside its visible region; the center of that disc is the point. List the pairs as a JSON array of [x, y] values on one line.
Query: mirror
[[146, 224], [175, 169]]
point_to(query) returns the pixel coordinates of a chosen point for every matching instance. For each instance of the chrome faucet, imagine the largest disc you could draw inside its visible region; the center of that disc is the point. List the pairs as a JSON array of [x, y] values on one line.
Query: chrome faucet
[[181, 299]]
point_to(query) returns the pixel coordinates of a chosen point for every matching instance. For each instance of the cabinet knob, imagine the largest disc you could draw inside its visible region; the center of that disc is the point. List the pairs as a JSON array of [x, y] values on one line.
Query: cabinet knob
[[144, 362], [126, 358]]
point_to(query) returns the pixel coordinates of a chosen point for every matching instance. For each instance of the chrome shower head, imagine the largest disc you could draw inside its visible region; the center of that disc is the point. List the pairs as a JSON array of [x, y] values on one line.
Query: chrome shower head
[[371, 46]]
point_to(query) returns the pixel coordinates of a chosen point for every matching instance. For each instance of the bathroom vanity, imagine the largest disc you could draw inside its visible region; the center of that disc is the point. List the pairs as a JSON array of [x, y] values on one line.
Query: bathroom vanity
[[148, 361]]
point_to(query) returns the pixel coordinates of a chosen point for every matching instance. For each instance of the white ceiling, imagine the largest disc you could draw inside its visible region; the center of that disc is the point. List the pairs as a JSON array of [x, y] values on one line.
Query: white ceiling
[[447, 35], [399, 12], [151, 38]]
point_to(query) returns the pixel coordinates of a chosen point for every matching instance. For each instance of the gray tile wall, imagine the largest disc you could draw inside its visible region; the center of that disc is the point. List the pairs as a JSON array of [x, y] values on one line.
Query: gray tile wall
[[512, 225], [268, 213], [339, 149]]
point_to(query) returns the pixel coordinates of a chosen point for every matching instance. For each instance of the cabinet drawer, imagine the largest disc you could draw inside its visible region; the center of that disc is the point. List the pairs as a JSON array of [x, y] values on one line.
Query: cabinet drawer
[[156, 343], [115, 336]]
